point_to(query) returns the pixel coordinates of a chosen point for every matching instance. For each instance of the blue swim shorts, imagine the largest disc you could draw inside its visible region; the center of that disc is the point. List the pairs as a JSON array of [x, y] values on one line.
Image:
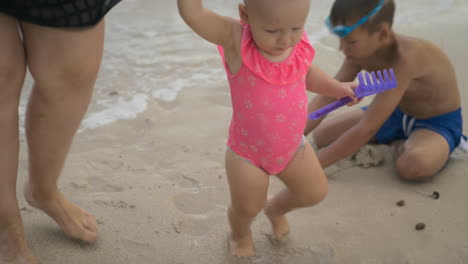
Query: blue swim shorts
[[399, 126]]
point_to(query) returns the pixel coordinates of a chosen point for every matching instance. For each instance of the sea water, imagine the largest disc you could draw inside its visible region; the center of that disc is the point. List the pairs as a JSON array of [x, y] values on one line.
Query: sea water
[[151, 55]]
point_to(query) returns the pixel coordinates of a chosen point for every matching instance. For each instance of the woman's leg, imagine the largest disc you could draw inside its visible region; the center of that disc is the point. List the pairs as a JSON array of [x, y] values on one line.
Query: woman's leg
[[248, 186], [13, 247], [306, 185], [64, 65]]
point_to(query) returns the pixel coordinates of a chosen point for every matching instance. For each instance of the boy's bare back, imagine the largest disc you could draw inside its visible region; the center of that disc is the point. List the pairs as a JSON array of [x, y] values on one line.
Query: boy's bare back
[[432, 89]]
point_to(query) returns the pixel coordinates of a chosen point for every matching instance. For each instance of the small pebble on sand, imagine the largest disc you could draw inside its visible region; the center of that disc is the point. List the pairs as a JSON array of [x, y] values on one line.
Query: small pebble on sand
[[420, 226]]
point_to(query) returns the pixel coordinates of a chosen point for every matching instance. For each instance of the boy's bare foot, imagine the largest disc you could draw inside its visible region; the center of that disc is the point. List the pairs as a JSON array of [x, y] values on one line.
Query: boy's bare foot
[[241, 247], [13, 247], [75, 222], [279, 223]]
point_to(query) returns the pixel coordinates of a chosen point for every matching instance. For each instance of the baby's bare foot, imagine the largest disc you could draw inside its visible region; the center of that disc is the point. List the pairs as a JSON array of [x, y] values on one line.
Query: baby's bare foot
[[13, 247], [75, 222], [279, 223], [241, 247]]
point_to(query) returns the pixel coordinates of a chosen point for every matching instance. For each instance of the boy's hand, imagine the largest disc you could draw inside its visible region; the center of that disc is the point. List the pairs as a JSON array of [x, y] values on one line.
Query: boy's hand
[[347, 89]]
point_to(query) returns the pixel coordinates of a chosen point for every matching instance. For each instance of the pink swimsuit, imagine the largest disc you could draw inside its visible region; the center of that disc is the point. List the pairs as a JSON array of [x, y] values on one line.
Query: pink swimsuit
[[269, 104]]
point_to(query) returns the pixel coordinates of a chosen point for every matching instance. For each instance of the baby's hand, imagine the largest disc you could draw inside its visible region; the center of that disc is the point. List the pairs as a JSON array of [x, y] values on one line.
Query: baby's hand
[[347, 89]]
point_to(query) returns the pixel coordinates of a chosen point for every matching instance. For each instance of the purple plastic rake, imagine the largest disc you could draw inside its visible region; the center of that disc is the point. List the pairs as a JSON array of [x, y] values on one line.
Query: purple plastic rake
[[366, 87]]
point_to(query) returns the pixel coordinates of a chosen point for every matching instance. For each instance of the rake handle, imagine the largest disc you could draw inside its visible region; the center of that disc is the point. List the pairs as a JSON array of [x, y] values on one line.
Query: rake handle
[[330, 107]]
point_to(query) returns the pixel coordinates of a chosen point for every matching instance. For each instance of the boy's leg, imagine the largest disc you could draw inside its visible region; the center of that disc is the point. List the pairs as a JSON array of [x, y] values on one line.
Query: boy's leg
[[13, 246], [306, 185], [248, 186], [422, 155], [64, 65], [334, 126]]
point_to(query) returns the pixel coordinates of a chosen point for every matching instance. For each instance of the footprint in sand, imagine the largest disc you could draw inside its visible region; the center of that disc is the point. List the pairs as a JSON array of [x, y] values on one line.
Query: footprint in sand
[[117, 204], [184, 182], [298, 255], [96, 184], [195, 225], [462, 254], [195, 203], [139, 252], [394, 256]]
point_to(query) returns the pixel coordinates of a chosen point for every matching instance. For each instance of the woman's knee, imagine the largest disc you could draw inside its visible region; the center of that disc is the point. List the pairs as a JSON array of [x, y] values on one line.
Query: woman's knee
[[68, 78], [11, 81]]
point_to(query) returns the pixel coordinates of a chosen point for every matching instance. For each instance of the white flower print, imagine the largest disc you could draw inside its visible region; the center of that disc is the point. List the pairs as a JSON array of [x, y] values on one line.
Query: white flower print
[[302, 104], [244, 132], [266, 102], [275, 138], [252, 80], [282, 93], [260, 142], [280, 118], [248, 104], [253, 148], [258, 68], [292, 126], [280, 160]]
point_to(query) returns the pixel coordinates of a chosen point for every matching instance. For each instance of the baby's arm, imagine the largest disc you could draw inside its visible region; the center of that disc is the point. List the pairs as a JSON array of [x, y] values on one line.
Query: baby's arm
[[347, 73], [320, 82], [213, 27]]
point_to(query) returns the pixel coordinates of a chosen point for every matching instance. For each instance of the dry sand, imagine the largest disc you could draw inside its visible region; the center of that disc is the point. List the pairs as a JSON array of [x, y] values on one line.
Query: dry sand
[[157, 184]]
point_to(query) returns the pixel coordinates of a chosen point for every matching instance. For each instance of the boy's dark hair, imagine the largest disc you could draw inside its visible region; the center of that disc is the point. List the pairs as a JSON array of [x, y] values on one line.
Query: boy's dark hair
[[350, 11]]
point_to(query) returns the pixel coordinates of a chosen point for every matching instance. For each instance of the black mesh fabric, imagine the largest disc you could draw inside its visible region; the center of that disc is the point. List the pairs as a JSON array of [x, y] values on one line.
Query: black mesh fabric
[[58, 13]]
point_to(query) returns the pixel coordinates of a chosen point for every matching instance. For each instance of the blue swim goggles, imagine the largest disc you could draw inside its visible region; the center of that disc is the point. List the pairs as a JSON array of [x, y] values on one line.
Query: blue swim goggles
[[342, 31]]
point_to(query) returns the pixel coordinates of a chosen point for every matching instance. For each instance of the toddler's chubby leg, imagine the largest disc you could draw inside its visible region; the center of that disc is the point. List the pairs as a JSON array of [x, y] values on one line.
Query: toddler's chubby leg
[[306, 185], [248, 186]]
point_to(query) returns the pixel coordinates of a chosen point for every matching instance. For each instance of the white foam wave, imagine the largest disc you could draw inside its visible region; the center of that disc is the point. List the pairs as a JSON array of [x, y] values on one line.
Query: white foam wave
[[164, 60], [115, 110]]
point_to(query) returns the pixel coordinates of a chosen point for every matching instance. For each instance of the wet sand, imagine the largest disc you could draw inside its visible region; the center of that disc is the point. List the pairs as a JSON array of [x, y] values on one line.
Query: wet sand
[[155, 179]]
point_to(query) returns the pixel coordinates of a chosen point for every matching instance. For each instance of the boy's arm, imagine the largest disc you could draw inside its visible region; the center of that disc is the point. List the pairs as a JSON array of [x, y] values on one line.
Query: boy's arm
[[360, 134], [347, 73], [213, 27]]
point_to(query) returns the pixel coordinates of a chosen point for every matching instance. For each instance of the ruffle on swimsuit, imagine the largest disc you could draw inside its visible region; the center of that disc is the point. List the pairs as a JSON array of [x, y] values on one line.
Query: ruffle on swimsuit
[[284, 72]]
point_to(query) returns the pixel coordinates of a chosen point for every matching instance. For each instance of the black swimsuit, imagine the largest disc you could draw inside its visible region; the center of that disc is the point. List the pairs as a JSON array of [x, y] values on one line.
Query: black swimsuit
[[58, 13]]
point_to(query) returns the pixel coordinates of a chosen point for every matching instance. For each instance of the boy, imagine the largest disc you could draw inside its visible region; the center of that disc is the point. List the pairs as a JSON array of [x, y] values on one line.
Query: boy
[[424, 110]]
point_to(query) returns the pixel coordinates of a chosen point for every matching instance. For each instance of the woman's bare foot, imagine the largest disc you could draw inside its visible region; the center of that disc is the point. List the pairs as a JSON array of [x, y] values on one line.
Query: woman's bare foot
[[13, 246], [242, 246], [75, 222], [279, 223]]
